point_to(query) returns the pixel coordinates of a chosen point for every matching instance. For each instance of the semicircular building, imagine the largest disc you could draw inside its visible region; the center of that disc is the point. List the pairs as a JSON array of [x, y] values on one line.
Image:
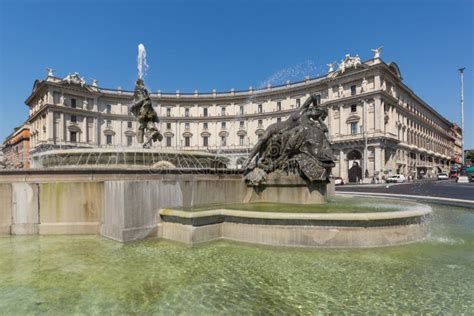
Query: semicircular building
[[377, 124]]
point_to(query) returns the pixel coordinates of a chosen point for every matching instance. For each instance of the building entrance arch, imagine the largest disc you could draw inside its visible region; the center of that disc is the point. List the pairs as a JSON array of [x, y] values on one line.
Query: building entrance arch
[[354, 160]]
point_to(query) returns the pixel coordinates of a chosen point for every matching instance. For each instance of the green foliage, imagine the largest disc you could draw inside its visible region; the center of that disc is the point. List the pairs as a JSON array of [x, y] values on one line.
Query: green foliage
[[470, 155]]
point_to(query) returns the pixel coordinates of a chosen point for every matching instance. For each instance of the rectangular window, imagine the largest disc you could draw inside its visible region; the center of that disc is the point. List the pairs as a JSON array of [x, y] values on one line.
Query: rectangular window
[[241, 140], [205, 125], [186, 125], [353, 108], [279, 106], [187, 141], [108, 109], [186, 112], [241, 110], [168, 125], [109, 139], [168, 112], [205, 141], [260, 123], [278, 119], [73, 119], [260, 108], [129, 124], [223, 125], [298, 103], [168, 141], [109, 122], [242, 124], [223, 141], [73, 103], [129, 141], [353, 90], [73, 136], [223, 111], [205, 111], [353, 128], [318, 99]]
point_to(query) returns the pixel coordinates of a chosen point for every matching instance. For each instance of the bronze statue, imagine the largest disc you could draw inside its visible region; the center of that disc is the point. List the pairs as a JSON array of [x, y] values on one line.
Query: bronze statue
[[296, 145], [143, 110]]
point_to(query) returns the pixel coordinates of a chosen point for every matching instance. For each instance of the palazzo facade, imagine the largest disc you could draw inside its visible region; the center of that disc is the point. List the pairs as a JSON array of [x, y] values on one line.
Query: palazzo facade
[[377, 125]]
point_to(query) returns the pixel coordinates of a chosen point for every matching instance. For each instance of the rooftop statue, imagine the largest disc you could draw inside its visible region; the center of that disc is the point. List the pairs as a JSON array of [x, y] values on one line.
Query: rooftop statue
[[143, 110], [297, 145], [349, 62], [377, 52]]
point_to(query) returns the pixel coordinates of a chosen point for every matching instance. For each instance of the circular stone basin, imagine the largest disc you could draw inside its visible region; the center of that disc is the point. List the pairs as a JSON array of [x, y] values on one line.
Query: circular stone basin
[[344, 222], [125, 158]]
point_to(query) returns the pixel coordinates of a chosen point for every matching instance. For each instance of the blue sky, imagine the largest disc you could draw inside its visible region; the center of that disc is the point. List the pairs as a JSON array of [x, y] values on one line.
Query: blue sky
[[221, 45]]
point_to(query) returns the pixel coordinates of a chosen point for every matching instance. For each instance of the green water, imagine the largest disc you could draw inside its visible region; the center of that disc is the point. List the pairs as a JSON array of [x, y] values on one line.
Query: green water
[[90, 275], [338, 204]]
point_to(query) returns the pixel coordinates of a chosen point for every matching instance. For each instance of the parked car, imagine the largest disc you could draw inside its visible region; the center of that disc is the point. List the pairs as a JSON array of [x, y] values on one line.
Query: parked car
[[396, 178], [338, 181], [443, 176], [462, 179]]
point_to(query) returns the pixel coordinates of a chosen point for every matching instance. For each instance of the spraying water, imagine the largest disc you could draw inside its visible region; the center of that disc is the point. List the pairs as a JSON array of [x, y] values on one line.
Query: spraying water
[[141, 61]]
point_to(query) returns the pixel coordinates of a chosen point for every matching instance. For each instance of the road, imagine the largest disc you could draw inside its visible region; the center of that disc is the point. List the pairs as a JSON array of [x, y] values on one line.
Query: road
[[444, 189]]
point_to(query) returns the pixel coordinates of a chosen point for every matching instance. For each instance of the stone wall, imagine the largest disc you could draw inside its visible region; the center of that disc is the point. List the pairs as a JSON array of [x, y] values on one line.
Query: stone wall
[[70, 207], [119, 207], [5, 208]]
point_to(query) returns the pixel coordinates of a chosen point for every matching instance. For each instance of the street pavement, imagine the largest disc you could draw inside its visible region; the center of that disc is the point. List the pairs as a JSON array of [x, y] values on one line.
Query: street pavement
[[444, 189]]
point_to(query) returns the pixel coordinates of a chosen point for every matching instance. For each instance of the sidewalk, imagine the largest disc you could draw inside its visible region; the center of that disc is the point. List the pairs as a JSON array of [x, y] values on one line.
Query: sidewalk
[[391, 183]]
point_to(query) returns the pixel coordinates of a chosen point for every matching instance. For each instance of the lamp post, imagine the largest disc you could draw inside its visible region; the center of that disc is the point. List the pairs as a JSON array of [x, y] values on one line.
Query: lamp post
[[461, 72]]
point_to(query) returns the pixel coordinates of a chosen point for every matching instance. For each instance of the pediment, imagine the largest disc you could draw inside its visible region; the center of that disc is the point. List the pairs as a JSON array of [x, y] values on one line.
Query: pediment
[[187, 134], [223, 134], [353, 118]]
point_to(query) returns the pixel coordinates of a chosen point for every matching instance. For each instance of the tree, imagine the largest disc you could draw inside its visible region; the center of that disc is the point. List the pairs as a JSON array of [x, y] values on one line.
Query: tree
[[469, 155]]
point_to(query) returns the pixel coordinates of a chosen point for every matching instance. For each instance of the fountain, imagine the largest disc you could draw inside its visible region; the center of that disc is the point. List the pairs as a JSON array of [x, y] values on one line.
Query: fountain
[[287, 176], [141, 107], [283, 197]]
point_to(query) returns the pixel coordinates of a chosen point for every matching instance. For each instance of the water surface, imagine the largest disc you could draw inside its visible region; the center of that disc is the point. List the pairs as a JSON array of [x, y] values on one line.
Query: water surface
[[91, 275]]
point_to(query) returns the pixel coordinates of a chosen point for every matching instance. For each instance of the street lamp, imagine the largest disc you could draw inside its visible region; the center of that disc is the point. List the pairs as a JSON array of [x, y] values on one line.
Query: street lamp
[[461, 73]]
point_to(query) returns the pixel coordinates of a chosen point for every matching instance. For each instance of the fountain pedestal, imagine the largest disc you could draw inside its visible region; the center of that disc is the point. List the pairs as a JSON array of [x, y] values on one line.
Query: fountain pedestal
[[289, 189]]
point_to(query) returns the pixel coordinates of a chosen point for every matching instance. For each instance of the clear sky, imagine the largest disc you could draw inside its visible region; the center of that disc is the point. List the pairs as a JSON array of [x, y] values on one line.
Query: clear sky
[[221, 45]]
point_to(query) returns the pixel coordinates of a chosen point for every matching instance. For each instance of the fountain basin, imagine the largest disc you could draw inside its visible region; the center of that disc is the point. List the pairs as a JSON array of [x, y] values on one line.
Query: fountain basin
[[125, 158], [296, 229]]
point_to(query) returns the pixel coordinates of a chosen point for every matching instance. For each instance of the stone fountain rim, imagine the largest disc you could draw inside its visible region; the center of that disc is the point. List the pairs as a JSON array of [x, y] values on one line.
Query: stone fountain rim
[[369, 216]]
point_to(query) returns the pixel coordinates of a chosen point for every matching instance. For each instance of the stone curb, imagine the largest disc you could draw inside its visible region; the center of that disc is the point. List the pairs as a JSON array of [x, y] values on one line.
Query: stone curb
[[423, 198]]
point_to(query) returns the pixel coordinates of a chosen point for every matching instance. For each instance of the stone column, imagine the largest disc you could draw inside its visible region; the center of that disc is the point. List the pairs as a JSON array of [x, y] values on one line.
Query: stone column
[[365, 131], [50, 126], [342, 121], [330, 123], [378, 113], [342, 165], [379, 159], [377, 82]]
